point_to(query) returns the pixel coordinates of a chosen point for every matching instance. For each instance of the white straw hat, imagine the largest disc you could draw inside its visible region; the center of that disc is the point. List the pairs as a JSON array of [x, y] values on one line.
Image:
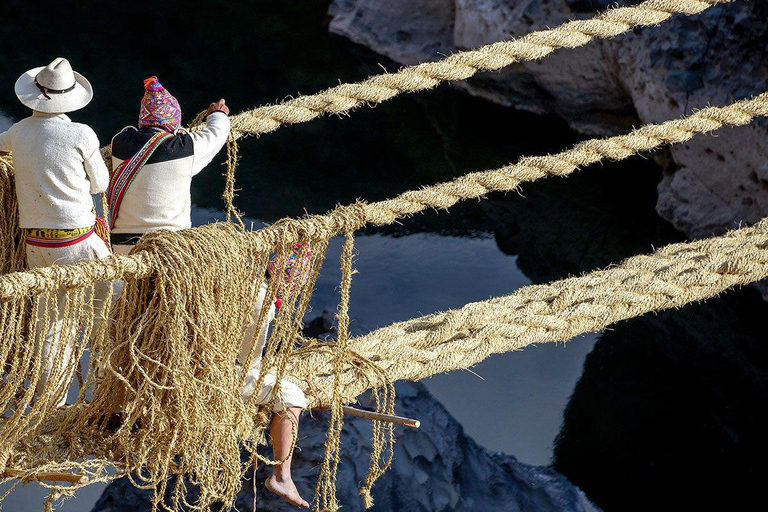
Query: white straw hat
[[54, 88]]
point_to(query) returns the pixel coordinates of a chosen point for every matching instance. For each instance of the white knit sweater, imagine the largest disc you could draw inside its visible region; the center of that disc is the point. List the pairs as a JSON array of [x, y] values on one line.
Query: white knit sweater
[[159, 195], [57, 166]]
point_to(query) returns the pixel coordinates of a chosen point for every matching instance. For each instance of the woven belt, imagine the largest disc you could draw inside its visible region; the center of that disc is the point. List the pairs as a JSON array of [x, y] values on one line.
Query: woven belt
[[53, 237]]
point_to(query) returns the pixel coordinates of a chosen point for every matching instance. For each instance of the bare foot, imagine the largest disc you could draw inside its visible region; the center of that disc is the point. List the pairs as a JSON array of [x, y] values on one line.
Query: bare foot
[[285, 489]]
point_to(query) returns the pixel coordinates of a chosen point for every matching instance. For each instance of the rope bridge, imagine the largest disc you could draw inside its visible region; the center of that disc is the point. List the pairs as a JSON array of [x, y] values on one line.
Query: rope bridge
[[183, 415], [462, 65]]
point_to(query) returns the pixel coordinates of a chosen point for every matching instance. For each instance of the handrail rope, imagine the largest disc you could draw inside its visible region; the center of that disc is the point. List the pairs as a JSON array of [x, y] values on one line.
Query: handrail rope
[[670, 277], [442, 195], [527, 169], [462, 65]]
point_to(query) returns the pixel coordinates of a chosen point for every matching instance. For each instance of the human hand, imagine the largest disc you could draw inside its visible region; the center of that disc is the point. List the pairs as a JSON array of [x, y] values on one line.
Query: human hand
[[218, 105]]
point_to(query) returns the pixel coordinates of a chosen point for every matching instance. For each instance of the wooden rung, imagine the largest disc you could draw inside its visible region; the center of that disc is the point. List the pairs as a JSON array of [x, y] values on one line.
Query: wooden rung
[[370, 415], [46, 477]]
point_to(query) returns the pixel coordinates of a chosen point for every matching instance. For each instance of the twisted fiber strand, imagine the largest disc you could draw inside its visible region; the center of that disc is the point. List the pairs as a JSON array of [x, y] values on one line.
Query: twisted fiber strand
[[325, 491], [462, 65], [459, 66], [442, 195], [477, 184], [670, 277], [185, 391], [72, 320], [18, 284]]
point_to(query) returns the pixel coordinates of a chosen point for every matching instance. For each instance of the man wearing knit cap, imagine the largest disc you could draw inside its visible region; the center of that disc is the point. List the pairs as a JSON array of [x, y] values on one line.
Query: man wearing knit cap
[[154, 165], [57, 166], [149, 190]]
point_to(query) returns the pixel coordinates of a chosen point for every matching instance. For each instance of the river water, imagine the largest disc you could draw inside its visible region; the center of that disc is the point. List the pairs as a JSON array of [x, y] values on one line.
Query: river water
[[674, 397]]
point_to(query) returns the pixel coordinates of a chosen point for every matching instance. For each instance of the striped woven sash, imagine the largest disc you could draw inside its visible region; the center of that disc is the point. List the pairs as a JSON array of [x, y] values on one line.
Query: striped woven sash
[[126, 172], [52, 237]]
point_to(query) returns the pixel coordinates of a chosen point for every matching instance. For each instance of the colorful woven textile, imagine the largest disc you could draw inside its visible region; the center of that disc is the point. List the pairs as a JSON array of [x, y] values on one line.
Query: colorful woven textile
[[159, 107], [52, 237], [127, 171]]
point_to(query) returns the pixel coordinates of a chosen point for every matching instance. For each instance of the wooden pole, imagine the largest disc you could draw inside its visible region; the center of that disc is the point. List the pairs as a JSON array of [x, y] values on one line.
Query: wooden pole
[[370, 415], [47, 477]]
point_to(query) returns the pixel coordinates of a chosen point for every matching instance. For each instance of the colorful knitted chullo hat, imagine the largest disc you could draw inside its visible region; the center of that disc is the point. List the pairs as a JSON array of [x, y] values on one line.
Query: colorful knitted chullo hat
[[159, 107]]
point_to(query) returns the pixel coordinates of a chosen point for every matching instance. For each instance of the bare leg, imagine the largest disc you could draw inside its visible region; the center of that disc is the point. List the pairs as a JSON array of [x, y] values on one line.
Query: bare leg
[[281, 482]]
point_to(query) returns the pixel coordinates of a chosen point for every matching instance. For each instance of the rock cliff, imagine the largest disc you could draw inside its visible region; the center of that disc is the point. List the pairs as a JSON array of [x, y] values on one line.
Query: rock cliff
[[435, 468]]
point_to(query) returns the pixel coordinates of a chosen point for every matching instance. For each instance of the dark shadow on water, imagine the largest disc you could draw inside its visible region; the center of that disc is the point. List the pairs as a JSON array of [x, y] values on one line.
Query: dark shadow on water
[[669, 413], [596, 217]]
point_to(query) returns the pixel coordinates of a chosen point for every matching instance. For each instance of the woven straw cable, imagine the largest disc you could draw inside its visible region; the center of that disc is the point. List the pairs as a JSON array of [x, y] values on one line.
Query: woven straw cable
[[183, 414], [463, 65], [671, 277]]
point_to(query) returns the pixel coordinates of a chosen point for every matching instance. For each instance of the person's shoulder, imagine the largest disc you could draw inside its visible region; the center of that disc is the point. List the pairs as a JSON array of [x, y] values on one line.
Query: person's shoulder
[[181, 137], [126, 143], [84, 129], [21, 123]]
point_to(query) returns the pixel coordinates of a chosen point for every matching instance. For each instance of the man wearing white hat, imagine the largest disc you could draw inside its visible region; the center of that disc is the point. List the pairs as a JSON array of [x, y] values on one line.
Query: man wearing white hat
[[150, 189], [57, 166]]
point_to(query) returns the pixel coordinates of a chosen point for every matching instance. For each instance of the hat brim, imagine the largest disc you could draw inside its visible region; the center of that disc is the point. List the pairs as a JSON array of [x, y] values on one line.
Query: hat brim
[[32, 97]]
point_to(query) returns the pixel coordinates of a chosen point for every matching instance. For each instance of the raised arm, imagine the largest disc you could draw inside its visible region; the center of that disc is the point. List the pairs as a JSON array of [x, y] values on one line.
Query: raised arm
[[95, 168], [211, 139]]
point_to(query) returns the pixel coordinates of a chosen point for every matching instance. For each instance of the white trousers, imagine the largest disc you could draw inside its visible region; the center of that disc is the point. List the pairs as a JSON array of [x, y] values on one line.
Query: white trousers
[[290, 394], [255, 338], [51, 326]]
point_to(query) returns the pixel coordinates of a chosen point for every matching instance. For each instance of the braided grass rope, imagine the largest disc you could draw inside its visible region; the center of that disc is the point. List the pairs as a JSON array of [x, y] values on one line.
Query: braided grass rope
[[645, 138], [13, 255], [442, 195], [671, 277], [458, 66], [326, 484], [462, 65]]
